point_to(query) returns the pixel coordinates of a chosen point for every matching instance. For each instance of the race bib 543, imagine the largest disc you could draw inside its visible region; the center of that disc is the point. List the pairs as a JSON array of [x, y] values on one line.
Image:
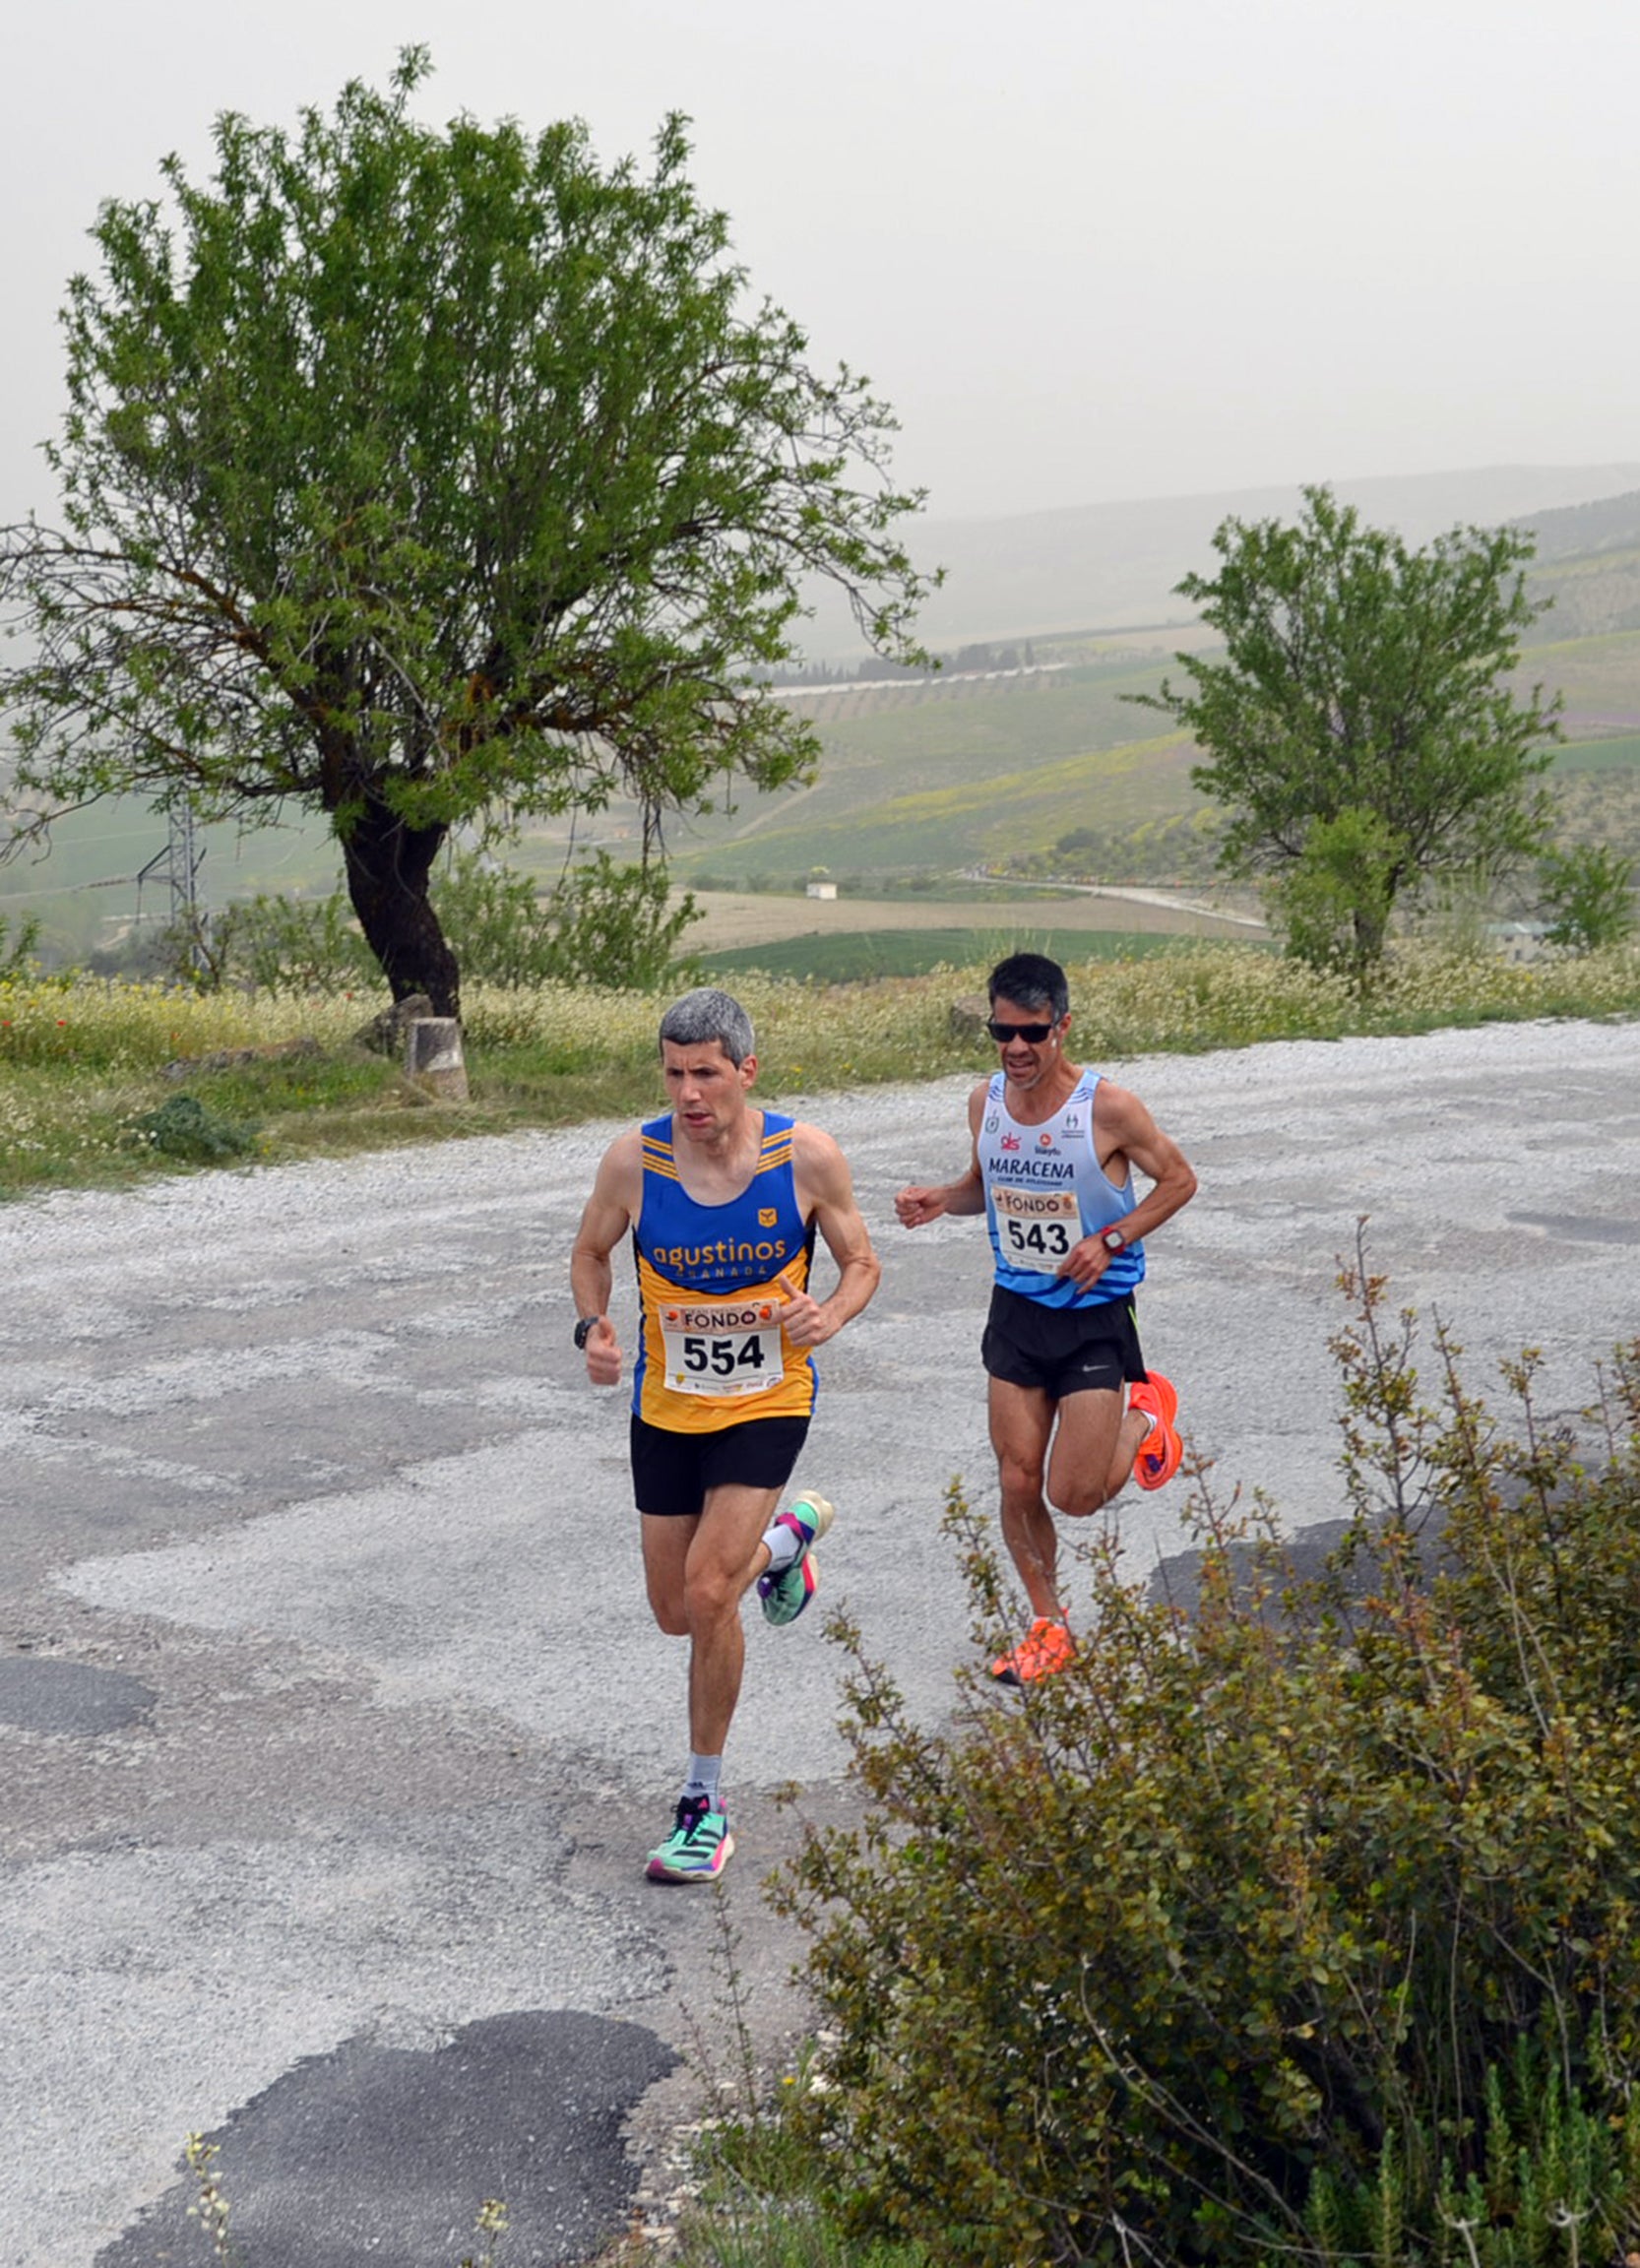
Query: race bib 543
[[1037, 1228]]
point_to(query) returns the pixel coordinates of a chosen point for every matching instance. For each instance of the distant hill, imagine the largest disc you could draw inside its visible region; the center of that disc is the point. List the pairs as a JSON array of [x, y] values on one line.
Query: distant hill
[[1114, 566], [932, 778], [1586, 531], [969, 771]]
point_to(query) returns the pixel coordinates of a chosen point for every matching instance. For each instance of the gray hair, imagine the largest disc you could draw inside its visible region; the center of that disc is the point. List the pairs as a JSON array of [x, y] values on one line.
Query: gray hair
[[706, 1014]]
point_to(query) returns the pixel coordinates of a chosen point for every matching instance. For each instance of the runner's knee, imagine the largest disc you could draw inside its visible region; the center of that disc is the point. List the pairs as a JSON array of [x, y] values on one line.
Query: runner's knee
[[709, 1594], [1079, 1499], [1020, 1475]]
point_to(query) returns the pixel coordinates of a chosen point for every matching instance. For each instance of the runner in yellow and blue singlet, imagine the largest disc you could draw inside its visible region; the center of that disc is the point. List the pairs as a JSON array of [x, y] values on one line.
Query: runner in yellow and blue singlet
[[710, 1351], [723, 1202]]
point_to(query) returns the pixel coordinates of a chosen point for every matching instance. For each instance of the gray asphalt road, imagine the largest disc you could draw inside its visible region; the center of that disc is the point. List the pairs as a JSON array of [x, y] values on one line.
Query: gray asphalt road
[[332, 1725]]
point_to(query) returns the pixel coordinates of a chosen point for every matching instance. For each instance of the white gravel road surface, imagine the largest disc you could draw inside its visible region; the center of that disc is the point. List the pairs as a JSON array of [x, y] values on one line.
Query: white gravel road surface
[[328, 1708]]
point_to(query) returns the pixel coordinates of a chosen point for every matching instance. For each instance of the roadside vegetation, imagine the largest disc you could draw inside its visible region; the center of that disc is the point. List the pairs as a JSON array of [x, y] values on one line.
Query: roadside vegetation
[[89, 1062], [1295, 1924]]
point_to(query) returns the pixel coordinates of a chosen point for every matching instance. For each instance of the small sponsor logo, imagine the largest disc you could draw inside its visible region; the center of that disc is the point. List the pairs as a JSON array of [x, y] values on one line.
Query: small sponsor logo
[[1073, 1125], [991, 1123], [1044, 1141], [1010, 1141], [766, 1216]]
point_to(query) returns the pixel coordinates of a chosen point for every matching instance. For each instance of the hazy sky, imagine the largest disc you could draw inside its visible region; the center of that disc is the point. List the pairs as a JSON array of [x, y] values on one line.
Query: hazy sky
[[1087, 252]]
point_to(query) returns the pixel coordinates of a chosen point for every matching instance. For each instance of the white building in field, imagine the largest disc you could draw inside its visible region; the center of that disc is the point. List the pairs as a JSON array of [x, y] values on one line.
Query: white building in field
[[1519, 941], [820, 889]]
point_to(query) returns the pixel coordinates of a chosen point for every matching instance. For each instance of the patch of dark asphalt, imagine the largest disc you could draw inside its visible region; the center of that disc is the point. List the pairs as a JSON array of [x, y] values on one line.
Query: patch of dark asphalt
[[387, 2154], [69, 1697]]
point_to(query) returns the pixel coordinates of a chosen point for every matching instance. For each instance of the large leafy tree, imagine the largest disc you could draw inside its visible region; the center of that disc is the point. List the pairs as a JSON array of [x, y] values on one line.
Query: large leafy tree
[[425, 478], [1360, 726]]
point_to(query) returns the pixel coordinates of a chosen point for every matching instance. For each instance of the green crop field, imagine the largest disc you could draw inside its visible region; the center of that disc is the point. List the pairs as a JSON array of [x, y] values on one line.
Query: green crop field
[[865, 955], [1622, 753]]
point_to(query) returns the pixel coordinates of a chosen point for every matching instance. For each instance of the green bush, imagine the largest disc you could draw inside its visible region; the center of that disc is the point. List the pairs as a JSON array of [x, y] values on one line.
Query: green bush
[[616, 925], [1229, 1943], [186, 1129], [1331, 905], [307, 945], [16, 953], [1588, 892], [603, 924]]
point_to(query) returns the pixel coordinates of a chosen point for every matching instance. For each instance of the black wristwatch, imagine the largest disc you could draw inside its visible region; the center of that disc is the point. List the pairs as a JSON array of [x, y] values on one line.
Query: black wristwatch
[[584, 1331]]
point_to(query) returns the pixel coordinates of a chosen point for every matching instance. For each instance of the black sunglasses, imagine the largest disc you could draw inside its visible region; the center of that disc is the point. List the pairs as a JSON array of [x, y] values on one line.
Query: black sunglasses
[[1032, 1034]]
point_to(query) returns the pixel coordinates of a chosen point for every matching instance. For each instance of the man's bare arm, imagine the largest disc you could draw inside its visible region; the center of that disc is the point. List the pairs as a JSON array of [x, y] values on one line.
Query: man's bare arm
[[611, 1211], [1124, 1118], [826, 1188]]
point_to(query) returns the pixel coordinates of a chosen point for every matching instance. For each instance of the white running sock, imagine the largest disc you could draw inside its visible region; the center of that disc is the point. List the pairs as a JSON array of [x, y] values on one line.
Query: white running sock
[[705, 1778], [785, 1541]]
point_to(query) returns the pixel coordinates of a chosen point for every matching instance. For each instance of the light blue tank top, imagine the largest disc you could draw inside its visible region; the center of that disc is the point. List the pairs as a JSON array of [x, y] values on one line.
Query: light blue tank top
[[1044, 1191]]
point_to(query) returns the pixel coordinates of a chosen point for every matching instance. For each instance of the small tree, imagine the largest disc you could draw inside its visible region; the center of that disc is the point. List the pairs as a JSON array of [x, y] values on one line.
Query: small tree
[[1331, 904], [1589, 893], [1363, 685], [422, 477]]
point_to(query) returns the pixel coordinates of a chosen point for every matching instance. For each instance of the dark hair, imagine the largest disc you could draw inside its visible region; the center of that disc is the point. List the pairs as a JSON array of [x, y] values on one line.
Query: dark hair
[[705, 1014], [1030, 980]]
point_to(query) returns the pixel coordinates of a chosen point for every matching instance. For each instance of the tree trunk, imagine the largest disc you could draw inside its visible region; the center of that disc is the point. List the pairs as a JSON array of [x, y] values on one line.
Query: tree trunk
[[388, 865]]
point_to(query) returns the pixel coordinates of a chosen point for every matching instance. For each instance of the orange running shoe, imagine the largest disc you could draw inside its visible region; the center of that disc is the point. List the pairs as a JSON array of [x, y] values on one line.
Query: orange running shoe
[[1047, 1647], [1161, 1452], [1156, 1394]]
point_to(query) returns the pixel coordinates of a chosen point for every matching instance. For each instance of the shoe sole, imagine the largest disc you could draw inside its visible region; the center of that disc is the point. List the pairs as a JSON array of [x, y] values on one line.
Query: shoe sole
[[824, 1510], [1017, 1684]]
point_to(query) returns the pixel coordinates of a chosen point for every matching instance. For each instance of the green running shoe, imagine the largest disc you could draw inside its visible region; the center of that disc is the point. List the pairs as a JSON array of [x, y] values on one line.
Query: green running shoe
[[786, 1595], [698, 1849]]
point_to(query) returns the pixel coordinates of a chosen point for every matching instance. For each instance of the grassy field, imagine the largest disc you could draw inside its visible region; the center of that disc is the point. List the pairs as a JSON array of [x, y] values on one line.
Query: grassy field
[[731, 919], [95, 1075], [872, 955], [924, 778], [1620, 753]]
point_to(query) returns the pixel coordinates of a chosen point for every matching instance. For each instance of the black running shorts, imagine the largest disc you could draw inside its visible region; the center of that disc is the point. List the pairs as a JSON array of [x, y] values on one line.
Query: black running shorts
[[1061, 1349], [672, 1473]]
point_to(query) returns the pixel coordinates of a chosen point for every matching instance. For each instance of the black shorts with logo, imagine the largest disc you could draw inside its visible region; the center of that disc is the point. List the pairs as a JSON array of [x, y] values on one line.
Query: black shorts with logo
[[1061, 1349], [672, 1472]]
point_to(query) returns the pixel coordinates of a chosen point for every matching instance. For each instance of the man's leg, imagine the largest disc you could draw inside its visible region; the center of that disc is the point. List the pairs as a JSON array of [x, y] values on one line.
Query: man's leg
[[1020, 1421], [698, 1571], [1094, 1449]]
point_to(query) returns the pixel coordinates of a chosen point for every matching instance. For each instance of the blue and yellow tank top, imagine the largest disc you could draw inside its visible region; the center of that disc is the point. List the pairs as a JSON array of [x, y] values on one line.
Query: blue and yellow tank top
[[1044, 1191], [710, 1351]]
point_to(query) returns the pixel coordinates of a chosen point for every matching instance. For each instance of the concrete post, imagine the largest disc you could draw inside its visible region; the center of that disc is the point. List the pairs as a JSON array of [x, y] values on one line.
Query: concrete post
[[433, 1058]]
